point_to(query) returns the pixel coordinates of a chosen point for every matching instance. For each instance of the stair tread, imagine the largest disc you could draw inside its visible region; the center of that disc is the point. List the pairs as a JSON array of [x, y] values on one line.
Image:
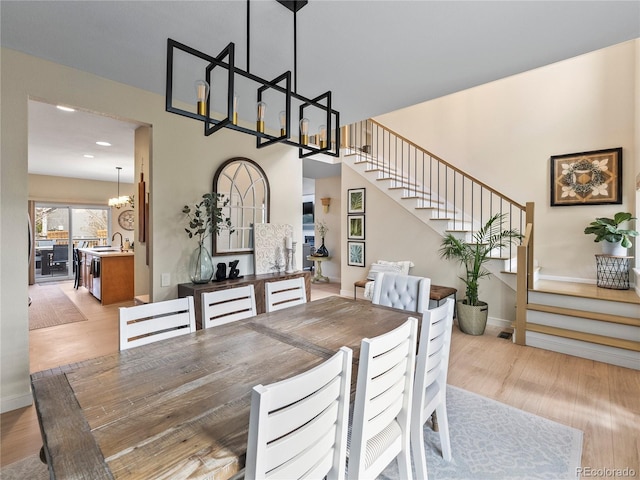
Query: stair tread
[[572, 312], [586, 290]]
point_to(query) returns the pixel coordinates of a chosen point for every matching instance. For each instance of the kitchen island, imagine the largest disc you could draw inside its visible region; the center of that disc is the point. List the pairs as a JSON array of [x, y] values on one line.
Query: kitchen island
[[108, 273]]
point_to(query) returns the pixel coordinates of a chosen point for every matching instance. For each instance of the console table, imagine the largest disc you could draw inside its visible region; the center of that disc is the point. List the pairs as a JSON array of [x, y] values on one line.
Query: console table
[[258, 281], [318, 277]]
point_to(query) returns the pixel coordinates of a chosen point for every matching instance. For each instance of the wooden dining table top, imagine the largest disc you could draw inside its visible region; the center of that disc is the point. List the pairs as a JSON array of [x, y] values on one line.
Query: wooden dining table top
[[179, 408]]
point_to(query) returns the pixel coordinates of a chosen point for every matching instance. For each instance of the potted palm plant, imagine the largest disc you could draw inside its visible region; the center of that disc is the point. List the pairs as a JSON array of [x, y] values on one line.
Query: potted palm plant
[[615, 240], [473, 312]]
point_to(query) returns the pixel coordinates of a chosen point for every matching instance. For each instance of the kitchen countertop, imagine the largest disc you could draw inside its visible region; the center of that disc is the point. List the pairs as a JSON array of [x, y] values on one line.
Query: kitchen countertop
[[104, 252]]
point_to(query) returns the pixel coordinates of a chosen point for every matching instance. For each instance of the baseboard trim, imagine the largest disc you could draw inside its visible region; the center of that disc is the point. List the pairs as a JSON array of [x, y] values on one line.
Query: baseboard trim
[[14, 402]]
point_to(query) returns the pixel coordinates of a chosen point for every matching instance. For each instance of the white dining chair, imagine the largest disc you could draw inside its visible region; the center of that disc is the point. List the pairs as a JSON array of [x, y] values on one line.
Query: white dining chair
[[298, 426], [430, 388], [224, 306], [285, 294], [407, 292], [382, 406], [143, 324]]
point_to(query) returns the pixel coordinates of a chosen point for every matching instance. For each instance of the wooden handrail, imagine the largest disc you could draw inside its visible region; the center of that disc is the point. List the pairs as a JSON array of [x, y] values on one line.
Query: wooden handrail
[[448, 165]]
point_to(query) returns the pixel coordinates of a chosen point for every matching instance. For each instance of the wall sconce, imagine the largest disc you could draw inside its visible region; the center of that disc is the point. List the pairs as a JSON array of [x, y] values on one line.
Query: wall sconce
[[325, 204]]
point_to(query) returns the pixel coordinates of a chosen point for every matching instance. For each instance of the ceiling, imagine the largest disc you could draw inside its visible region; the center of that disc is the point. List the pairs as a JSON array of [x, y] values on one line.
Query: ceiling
[[375, 56]]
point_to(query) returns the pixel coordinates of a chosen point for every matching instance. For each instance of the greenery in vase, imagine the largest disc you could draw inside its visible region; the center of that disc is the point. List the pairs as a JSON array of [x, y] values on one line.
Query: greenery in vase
[[475, 254], [322, 228], [608, 229], [206, 217]]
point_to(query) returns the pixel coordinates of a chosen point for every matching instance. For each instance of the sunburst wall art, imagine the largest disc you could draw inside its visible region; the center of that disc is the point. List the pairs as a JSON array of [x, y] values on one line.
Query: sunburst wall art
[[587, 178]]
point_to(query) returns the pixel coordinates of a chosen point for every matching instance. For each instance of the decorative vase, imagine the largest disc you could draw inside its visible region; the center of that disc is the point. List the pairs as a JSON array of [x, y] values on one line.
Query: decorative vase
[[472, 319], [613, 248], [200, 265], [322, 250]]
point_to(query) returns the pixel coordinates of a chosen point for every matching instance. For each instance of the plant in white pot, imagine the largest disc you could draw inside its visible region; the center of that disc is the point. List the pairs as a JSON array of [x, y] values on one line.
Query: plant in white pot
[[616, 240], [472, 312]]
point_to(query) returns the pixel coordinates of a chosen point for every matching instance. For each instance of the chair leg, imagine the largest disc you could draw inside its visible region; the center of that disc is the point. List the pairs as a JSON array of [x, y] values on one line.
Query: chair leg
[[404, 463], [445, 442], [418, 451]]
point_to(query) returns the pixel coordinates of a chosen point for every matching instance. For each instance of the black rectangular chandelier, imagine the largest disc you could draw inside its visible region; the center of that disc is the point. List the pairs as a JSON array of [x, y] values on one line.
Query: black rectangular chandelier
[[324, 140]]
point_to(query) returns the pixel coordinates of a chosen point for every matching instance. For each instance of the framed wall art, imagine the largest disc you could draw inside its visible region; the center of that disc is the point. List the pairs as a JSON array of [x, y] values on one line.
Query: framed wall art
[[587, 178], [355, 227], [356, 199], [355, 254]]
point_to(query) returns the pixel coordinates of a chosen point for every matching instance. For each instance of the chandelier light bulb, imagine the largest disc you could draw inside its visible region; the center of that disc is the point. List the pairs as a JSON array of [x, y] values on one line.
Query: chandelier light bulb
[[322, 136], [202, 93], [234, 120], [283, 122], [262, 109], [304, 131]]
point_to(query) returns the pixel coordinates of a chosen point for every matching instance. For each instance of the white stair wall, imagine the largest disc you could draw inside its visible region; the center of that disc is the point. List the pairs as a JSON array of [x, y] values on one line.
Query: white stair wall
[[439, 216]]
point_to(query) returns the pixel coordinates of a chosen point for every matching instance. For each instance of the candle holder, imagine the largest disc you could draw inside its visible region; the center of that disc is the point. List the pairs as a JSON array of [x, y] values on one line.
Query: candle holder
[[293, 257], [289, 259]]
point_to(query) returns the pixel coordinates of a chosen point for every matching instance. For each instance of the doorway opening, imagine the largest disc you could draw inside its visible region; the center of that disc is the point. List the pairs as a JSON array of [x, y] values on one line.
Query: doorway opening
[[58, 230]]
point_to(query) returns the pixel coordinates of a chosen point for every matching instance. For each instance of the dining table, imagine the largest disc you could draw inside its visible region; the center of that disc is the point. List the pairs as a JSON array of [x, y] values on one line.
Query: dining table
[[179, 408]]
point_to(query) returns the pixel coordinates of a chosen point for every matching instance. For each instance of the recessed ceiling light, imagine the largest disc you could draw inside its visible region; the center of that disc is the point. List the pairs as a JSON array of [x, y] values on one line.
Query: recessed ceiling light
[[88, 156], [65, 109], [103, 144]]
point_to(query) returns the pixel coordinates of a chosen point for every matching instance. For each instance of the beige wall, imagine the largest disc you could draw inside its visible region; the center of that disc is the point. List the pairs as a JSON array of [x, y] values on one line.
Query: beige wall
[[181, 170], [503, 133]]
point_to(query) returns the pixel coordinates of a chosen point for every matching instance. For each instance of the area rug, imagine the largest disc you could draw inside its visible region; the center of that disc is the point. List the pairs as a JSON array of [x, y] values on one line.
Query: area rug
[[491, 441], [29, 468], [50, 307]]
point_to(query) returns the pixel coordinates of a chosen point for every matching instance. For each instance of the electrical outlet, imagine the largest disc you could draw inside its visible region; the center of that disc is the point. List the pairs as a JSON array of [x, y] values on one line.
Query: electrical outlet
[[165, 280]]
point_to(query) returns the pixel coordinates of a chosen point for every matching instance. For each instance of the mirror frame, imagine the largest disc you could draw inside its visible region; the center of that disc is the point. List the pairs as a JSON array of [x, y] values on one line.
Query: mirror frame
[[219, 172]]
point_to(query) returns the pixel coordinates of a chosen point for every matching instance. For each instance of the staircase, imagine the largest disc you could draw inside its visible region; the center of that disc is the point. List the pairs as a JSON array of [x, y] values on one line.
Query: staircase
[[442, 196], [585, 321], [593, 324]]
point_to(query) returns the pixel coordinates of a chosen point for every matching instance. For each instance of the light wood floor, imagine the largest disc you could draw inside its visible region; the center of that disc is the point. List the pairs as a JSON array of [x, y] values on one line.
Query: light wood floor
[[599, 399]]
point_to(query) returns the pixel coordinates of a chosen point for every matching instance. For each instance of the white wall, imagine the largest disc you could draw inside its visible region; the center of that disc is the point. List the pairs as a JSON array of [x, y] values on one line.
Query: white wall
[[182, 168], [503, 133]]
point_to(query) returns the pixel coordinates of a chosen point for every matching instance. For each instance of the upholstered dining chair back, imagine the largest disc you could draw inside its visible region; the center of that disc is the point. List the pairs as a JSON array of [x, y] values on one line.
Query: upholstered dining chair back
[[143, 324], [298, 426], [430, 388], [382, 406], [285, 294], [224, 306], [407, 292]]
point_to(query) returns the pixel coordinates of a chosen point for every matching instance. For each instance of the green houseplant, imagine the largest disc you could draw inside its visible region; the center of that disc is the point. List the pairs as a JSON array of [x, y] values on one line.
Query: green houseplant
[[205, 218], [473, 312], [608, 231]]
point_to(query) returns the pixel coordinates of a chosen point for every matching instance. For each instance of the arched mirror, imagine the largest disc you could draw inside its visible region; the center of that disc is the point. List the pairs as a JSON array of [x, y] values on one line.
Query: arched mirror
[[245, 184]]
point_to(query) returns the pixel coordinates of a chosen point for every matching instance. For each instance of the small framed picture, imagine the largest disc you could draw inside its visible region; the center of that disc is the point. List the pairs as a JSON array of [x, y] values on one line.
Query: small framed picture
[[356, 254], [356, 200], [355, 227], [587, 178]]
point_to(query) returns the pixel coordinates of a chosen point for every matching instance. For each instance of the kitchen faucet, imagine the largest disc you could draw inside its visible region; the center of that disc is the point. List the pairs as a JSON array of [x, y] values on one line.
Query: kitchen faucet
[[114, 236]]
